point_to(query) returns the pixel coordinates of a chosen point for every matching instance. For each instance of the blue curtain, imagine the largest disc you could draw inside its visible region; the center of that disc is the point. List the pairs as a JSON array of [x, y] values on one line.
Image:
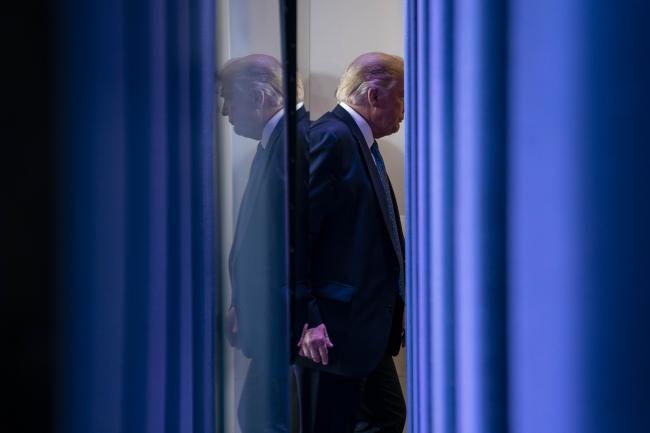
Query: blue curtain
[[528, 141], [137, 239]]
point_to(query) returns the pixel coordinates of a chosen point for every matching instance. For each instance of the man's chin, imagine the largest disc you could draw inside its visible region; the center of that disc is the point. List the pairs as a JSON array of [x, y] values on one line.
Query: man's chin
[[244, 132], [239, 130]]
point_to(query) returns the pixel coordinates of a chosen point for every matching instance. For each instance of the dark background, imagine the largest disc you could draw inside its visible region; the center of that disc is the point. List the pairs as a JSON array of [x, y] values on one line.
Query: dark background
[[27, 219]]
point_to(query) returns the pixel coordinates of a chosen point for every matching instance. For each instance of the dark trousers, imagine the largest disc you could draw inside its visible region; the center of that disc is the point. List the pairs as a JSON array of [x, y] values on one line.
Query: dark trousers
[[330, 403]]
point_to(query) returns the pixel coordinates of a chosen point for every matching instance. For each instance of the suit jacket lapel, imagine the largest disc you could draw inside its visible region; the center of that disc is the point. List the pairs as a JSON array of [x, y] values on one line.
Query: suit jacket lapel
[[256, 181], [374, 176], [300, 113]]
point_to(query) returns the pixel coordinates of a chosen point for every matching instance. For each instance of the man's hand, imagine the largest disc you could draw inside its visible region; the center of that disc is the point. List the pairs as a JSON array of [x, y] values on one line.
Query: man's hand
[[314, 344], [232, 328]]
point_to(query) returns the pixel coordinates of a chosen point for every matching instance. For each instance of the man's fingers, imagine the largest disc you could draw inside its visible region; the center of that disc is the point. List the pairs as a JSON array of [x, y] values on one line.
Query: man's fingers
[[314, 344], [231, 321], [328, 342], [232, 338], [314, 355], [322, 351]]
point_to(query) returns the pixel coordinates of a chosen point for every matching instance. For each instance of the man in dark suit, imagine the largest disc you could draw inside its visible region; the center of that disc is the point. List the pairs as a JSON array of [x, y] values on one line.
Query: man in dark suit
[[257, 321], [351, 313]]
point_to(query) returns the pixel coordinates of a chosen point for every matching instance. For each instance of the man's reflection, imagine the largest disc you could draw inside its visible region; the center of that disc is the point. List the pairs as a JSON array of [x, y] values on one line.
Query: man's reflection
[[257, 321]]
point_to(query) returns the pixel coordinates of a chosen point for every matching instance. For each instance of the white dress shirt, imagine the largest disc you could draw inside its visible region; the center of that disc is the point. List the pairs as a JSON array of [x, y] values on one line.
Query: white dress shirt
[[362, 124], [271, 124]]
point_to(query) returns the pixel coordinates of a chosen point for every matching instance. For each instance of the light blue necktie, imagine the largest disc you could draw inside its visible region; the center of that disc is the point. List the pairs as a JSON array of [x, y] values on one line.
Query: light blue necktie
[[381, 168]]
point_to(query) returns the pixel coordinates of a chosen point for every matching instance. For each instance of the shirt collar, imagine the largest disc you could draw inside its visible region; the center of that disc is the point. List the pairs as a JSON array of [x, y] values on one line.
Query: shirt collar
[[361, 123], [269, 127], [272, 123]]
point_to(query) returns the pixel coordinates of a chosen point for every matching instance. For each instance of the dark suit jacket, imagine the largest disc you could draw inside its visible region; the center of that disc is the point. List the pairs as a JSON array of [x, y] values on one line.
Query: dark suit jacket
[[258, 257], [354, 274]]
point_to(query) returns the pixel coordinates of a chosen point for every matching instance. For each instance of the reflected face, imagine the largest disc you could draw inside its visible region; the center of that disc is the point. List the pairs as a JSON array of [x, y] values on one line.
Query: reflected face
[[242, 111], [387, 110]]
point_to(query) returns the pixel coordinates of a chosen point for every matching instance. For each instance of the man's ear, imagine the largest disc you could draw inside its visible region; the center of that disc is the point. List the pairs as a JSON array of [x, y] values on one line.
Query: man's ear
[[258, 99], [373, 96]]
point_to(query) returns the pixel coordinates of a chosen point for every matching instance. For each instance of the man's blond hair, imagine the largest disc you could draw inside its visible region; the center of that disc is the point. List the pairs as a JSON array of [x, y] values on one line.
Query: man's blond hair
[[259, 72], [369, 70]]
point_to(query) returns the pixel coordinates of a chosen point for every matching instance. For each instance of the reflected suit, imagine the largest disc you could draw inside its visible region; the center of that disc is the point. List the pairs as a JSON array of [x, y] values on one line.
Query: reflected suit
[[258, 273]]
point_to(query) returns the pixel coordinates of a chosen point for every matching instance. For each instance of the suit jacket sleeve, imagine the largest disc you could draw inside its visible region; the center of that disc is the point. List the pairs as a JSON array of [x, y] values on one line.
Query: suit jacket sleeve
[[323, 179], [307, 309]]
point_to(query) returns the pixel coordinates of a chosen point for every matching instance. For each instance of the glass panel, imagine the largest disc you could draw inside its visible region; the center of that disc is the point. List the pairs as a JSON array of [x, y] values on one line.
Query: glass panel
[[253, 354], [337, 285]]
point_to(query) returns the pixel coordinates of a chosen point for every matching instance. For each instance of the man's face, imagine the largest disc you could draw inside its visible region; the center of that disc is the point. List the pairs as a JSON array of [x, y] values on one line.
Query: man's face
[[241, 109], [387, 110]]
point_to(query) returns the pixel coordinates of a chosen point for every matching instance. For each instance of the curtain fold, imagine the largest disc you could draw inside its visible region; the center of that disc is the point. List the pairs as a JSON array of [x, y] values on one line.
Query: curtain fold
[[528, 129], [456, 171], [135, 91]]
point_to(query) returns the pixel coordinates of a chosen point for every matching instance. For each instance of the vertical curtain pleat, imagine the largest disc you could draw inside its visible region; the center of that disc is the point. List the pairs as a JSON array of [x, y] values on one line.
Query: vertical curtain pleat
[[137, 216], [202, 13], [430, 123], [581, 137], [91, 97], [546, 310], [480, 144], [528, 140], [138, 194], [456, 159], [617, 197], [159, 211], [442, 181]]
